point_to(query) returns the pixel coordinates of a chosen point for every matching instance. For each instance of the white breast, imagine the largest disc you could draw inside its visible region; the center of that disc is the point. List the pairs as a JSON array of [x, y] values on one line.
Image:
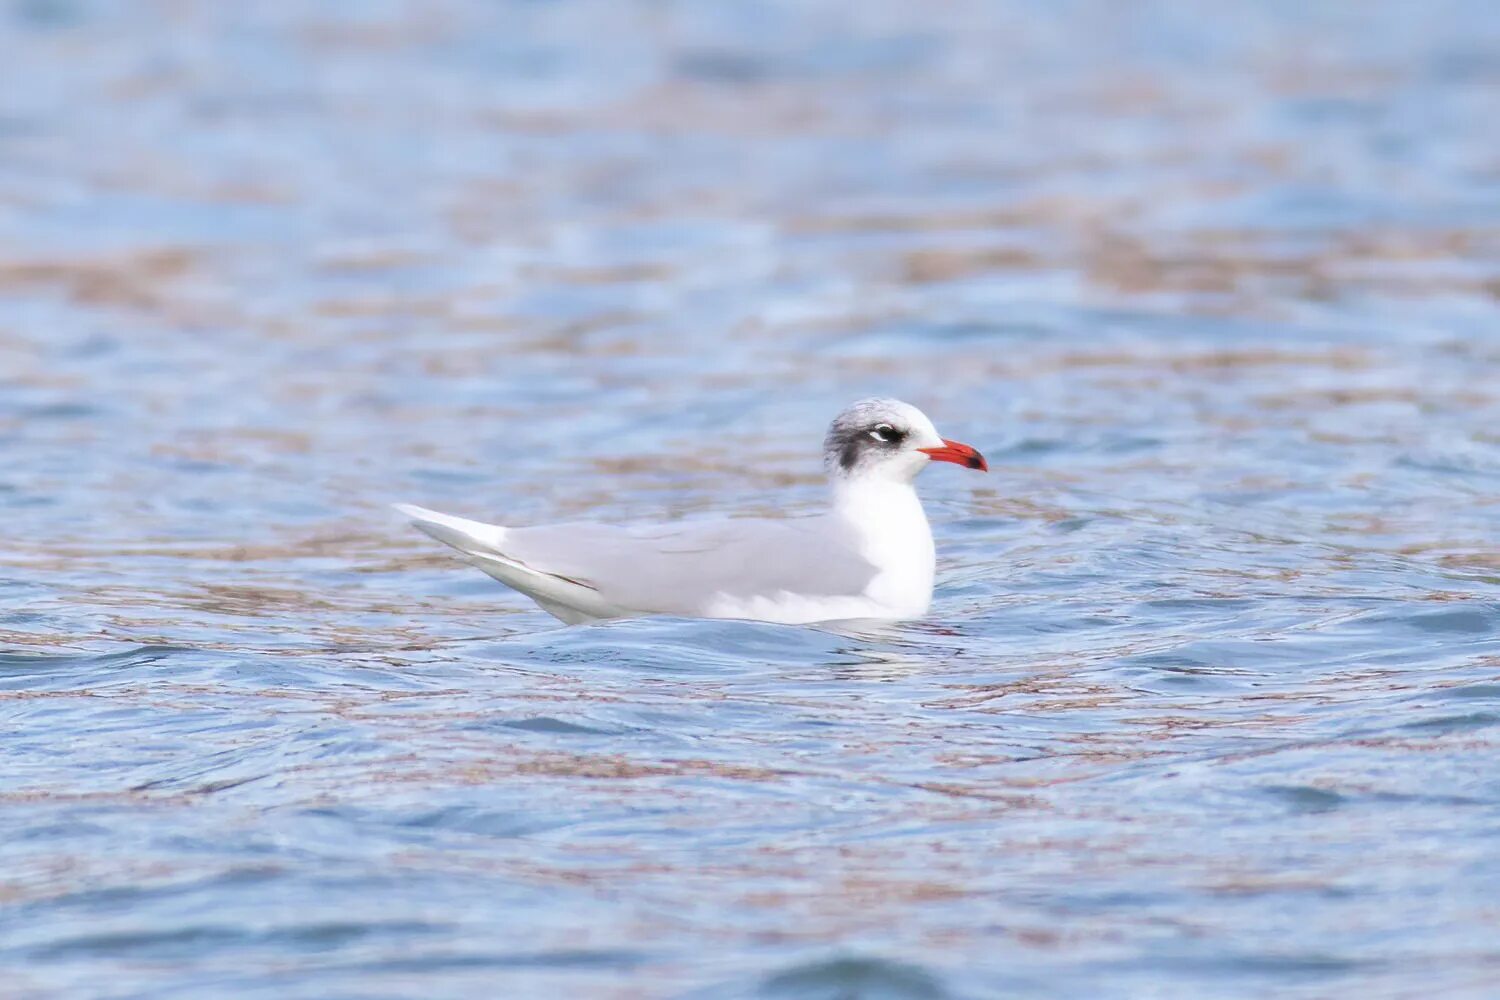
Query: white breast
[[896, 539]]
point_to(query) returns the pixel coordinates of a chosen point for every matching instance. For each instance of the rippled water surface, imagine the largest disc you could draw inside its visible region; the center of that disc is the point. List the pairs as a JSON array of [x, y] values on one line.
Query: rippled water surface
[[1208, 703]]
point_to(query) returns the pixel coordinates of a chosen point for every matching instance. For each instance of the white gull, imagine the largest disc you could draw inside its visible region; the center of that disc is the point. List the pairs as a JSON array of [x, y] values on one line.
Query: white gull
[[869, 556]]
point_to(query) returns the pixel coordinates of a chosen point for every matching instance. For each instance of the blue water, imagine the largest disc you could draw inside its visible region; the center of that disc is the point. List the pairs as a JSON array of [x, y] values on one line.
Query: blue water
[[1208, 703]]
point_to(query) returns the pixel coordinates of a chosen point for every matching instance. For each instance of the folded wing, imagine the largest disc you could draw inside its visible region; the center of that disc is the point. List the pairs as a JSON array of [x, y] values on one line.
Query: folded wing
[[684, 568]]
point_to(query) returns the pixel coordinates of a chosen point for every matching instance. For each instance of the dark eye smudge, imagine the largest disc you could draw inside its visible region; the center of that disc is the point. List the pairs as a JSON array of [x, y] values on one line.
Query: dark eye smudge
[[849, 453], [854, 443]]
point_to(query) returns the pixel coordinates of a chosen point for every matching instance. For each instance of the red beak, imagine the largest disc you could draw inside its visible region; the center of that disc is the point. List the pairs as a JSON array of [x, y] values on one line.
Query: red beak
[[959, 454]]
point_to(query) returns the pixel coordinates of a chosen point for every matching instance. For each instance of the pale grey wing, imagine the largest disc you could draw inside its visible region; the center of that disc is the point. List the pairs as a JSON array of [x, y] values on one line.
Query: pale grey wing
[[680, 568]]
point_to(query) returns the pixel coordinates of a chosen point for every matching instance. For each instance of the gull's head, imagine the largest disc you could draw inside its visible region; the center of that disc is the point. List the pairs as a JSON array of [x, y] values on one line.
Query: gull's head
[[891, 440]]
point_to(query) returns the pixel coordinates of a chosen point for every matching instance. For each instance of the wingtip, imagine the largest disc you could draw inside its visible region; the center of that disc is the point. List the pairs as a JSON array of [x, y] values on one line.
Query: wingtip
[[410, 510]]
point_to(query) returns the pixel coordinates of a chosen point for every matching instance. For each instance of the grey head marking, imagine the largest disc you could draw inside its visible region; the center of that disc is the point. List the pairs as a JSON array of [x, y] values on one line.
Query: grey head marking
[[865, 431]]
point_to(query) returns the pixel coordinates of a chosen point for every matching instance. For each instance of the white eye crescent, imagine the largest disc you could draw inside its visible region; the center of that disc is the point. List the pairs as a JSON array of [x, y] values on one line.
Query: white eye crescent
[[884, 433]]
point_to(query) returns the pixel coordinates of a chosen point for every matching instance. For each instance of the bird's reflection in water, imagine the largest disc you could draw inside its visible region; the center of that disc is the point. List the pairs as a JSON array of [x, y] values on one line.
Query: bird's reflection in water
[[884, 650]]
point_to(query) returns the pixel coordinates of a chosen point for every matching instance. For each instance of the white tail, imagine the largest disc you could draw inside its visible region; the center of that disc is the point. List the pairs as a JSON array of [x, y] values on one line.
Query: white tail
[[472, 537], [482, 545]]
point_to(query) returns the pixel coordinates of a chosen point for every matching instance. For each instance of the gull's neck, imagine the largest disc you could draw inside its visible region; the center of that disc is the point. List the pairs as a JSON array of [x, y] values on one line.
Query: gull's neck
[[863, 500]]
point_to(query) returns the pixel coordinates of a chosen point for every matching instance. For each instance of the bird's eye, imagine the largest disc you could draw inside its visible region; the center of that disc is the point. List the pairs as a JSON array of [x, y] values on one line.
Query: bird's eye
[[885, 433]]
